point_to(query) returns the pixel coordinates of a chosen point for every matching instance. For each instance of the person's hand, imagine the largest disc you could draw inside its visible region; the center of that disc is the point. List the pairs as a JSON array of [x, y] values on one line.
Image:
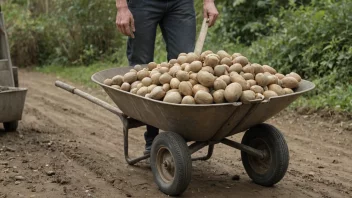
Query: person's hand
[[125, 21], [210, 12]]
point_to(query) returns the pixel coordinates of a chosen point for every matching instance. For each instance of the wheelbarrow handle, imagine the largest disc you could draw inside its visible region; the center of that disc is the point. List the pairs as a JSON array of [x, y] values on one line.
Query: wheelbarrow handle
[[202, 35], [90, 98]]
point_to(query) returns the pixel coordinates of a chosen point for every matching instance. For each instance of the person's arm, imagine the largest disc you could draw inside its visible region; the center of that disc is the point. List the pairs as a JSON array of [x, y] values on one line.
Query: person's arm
[[210, 11], [124, 18]]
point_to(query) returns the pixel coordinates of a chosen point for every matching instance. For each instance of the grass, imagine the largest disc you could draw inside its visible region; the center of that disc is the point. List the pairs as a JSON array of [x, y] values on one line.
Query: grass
[[79, 74]]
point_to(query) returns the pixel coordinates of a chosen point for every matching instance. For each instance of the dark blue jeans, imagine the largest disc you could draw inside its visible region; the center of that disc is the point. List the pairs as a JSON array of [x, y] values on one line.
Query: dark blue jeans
[[177, 21]]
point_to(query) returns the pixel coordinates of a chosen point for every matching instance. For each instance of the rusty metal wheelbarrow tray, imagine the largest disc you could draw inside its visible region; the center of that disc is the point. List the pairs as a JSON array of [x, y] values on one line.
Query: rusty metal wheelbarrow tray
[[196, 122]]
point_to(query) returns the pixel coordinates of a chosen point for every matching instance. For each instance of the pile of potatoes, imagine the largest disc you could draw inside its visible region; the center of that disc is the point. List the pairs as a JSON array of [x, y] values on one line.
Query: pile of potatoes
[[206, 79]]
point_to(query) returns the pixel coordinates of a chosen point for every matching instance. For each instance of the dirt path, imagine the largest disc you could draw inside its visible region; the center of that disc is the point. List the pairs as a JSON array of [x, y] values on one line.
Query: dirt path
[[68, 147]]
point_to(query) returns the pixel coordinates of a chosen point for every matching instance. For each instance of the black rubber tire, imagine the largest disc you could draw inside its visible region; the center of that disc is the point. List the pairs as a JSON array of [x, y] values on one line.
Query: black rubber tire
[[177, 147], [10, 126], [271, 170]]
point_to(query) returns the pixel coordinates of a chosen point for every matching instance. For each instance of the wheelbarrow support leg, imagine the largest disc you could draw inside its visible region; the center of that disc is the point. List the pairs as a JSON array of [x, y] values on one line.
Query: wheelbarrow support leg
[[129, 123], [199, 145], [208, 156]]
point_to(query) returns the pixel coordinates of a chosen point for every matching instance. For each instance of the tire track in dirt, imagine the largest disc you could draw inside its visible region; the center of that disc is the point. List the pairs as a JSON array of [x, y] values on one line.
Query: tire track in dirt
[[91, 139]]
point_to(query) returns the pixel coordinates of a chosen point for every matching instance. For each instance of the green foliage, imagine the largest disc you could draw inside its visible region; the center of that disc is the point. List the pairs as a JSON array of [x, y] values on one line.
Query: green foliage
[[244, 21], [313, 41]]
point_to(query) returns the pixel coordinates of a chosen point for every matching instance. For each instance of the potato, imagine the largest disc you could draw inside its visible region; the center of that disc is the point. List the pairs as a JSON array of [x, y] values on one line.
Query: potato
[[157, 93], [259, 96], [150, 88], [165, 78], [193, 76], [185, 88], [241, 60], [211, 60], [142, 74], [166, 87], [273, 79], [130, 77], [205, 78], [279, 76], [142, 91], [193, 82], [219, 70], [269, 69], [138, 67], [151, 66], [295, 75], [108, 81], [173, 97], [195, 66], [184, 65], [117, 80], [234, 55], [134, 84], [199, 87], [289, 82], [174, 69], [251, 82], [174, 83], [277, 89], [133, 70], [247, 96], [181, 60], [146, 81], [172, 62], [155, 71], [236, 68], [268, 94], [190, 57], [226, 79], [208, 69], [134, 90], [172, 90], [163, 70], [257, 89], [223, 54], [203, 97], [116, 86], [226, 61], [165, 64], [182, 54], [155, 78], [182, 76], [219, 84], [204, 54], [187, 68], [288, 90], [248, 69], [218, 96], [248, 76], [262, 79], [239, 79], [233, 92], [188, 100], [257, 68], [139, 85], [125, 86]]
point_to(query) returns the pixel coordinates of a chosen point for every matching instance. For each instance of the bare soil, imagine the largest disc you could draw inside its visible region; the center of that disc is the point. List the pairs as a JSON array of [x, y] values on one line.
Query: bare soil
[[67, 147]]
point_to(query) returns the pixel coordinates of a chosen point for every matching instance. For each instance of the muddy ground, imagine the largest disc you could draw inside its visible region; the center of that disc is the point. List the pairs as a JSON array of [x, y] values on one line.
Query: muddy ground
[[67, 147]]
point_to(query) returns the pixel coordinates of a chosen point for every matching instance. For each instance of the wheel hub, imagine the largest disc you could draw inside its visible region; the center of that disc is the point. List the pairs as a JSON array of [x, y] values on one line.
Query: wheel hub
[[165, 164], [260, 165]]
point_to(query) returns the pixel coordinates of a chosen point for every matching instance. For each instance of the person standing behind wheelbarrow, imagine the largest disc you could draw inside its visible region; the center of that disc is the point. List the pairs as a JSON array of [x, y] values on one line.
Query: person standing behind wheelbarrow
[[139, 19]]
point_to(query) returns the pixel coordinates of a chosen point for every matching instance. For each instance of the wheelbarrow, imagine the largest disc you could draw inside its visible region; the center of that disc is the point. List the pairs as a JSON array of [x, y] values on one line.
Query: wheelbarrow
[[264, 151]]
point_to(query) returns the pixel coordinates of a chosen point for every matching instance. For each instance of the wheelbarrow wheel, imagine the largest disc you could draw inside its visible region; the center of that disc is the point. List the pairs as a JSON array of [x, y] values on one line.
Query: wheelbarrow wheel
[[272, 168], [171, 163], [11, 126]]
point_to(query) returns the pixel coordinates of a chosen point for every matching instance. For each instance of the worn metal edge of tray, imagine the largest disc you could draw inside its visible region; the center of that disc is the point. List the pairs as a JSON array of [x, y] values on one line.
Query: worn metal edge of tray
[[199, 105], [13, 89]]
